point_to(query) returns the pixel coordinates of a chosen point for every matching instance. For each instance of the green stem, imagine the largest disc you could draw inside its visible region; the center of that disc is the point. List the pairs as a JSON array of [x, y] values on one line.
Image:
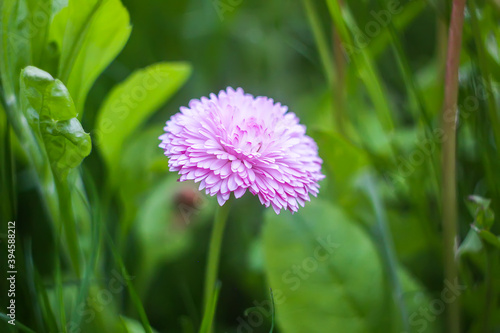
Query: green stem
[[67, 220], [339, 88], [334, 71], [449, 194], [320, 39], [214, 254], [416, 99]]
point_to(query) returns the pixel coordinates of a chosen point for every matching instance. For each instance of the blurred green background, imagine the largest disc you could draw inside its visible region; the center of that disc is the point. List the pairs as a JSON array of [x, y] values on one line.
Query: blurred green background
[[374, 108]]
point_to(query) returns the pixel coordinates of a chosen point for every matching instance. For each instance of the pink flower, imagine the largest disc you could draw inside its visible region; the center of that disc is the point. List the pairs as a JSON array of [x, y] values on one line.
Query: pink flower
[[235, 141]]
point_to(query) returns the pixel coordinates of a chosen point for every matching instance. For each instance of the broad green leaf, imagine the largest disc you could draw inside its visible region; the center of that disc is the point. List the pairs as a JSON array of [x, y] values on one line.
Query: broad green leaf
[[41, 12], [90, 35], [132, 102], [325, 272], [51, 113], [327, 275]]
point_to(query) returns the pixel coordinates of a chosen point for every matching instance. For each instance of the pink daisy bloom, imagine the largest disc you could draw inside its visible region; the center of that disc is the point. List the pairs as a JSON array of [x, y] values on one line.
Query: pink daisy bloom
[[236, 142]]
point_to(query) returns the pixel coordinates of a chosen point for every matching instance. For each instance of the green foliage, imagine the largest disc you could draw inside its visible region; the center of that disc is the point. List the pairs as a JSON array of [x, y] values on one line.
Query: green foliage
[[317, 263], [342, 176], [480, 267], [52, 53], [483, 215], [49, 109], [130, 103], [90, 34], [109, 241]]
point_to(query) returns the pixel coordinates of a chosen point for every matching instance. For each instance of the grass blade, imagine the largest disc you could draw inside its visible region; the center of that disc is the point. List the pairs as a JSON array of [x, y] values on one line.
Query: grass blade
[[344, 22], [321, 41], [19, 325], [132, 292]]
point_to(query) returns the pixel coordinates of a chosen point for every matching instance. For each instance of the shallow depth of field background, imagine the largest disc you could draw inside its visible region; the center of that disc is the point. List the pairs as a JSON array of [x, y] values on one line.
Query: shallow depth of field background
[[382, 170]]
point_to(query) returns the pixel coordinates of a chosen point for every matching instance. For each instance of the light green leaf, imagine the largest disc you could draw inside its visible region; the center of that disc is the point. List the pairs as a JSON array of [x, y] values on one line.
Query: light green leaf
[[24, 29], [327, 275], [90, 35], [15, 48], [133, 101], [51, 113], [325, 272]]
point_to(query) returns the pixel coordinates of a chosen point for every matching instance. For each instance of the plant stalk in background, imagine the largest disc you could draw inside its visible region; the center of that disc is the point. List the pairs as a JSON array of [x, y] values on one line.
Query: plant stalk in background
[[339, 89], [449, 193]]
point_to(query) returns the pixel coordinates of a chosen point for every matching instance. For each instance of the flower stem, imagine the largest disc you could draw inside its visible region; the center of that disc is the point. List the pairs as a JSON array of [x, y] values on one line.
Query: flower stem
[[214, 254], [449, 193]]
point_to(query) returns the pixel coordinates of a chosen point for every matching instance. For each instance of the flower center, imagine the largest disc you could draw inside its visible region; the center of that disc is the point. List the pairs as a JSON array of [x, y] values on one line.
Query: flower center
[[249, 136]]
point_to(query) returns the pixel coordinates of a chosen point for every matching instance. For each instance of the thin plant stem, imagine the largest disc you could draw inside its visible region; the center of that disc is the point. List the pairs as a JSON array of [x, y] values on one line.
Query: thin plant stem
[[214, 254], [449, 193], [320, 40], [339, 88]]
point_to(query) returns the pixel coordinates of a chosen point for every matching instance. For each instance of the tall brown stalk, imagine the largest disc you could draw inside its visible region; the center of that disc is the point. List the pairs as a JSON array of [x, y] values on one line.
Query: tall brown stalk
[[449, 193]]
